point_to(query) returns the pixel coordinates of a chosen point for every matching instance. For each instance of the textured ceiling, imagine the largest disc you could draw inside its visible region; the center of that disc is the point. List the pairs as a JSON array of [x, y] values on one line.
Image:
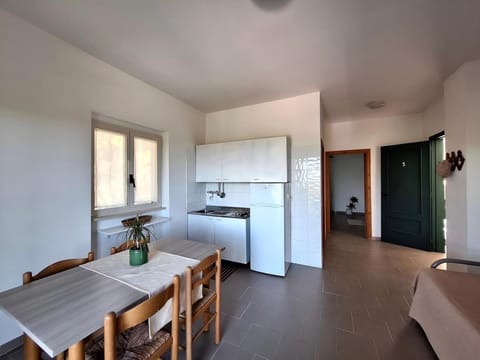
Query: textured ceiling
[[220, 54]]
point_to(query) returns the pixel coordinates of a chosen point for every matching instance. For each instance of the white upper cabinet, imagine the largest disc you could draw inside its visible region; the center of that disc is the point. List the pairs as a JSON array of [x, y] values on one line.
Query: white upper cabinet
[[237, 161], [209, 163], [269, 160], [258, 160]]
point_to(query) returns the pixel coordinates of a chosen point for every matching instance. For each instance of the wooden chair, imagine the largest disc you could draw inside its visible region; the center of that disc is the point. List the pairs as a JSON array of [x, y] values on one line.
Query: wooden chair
[[202, 274], [125, 246], [127, 334], [32, 350]]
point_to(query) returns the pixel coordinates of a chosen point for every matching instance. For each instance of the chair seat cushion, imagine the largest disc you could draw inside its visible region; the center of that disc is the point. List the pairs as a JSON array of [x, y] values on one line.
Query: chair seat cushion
[[132, 344]]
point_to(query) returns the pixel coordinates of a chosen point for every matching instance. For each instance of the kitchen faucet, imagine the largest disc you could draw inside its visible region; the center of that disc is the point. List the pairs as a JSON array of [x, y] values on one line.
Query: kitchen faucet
[[220, 192]]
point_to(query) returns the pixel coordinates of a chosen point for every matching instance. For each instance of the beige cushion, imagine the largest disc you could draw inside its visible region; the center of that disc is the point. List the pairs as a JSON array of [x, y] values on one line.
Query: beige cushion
[[133, 344], [447, 306]]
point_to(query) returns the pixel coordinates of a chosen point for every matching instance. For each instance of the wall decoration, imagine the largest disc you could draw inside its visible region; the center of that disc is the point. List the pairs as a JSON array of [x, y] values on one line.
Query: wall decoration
[[456, 160]]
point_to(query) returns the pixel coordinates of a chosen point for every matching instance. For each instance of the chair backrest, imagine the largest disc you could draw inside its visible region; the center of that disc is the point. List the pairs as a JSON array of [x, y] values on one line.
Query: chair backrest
[[57, 267], [114, 325], [125, 246], [201, 275], [208, 269]]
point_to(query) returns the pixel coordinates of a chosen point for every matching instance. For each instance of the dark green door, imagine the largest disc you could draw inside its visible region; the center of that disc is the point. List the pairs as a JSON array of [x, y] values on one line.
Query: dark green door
[[405, 195]]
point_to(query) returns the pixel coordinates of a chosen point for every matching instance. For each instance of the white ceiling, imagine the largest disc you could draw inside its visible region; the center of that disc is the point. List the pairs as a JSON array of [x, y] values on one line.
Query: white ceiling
[[220, 54]]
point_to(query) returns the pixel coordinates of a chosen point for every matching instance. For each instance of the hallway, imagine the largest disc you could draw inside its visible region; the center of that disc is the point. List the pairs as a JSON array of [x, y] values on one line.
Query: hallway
[[353, 224]]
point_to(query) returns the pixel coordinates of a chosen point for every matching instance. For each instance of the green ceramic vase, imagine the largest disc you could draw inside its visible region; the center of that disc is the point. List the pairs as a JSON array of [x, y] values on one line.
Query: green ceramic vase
[[138, 256]]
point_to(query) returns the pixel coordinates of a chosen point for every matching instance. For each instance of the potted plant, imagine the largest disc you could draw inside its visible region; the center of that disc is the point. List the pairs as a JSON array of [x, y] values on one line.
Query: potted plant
[[351, 205], [140, 234]]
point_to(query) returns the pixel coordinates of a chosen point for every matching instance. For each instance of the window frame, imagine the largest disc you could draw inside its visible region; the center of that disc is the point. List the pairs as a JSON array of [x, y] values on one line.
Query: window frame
[[131, 131]]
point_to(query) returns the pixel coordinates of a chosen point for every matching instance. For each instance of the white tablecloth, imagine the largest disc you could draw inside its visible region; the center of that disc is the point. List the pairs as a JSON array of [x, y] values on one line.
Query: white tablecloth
[[151, 278]]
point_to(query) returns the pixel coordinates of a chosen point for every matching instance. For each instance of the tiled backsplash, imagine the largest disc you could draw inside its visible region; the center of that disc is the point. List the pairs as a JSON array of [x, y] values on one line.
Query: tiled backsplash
[[236, 195]]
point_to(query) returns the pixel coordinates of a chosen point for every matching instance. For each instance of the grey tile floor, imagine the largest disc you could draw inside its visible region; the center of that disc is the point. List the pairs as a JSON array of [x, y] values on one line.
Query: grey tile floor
[[354, 308], [340, 223]]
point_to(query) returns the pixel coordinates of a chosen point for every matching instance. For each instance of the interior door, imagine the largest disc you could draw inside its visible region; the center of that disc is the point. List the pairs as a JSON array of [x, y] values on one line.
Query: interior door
[[437, 185], [405, 195]]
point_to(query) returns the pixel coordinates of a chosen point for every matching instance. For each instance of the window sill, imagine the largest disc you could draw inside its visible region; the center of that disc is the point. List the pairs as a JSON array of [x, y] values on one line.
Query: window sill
[[125, 212], [121, 229]]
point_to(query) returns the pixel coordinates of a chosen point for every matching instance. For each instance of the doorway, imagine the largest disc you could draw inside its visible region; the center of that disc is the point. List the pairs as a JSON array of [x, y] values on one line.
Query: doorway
[[331, 205], [437, 189]]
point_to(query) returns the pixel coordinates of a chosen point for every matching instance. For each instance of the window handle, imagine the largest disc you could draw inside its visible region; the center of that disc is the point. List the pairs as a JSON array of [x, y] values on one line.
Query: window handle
[[131, 180]]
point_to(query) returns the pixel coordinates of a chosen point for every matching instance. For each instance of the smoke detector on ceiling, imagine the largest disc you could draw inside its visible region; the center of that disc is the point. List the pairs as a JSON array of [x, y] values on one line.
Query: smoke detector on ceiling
[[374, 105], [271, 5]]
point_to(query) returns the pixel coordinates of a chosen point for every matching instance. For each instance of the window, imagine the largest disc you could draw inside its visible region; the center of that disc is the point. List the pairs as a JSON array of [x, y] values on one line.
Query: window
[[126, 166]]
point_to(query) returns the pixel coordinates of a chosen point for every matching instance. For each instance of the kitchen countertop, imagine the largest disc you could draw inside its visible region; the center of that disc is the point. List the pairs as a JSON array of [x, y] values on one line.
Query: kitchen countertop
[[236, 213]]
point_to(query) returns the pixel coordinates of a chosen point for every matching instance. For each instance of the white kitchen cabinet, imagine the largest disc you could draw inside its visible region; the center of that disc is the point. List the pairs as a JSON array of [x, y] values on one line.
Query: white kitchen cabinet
[[269, 160], [237, 161], [230, 233], [201, 228], [224, 238], [257, 160], [233, 235], [209, 163]]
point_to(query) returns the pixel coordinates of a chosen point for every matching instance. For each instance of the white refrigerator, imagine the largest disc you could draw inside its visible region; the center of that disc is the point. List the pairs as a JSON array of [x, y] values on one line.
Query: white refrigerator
[[270, 228]]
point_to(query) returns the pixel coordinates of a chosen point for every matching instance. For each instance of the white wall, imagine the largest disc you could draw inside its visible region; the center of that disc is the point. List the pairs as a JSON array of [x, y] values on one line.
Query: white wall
[[299, 119], [373, 134], [236, 195], [434, 118], [347, 178], [462, 128], [48, 91]]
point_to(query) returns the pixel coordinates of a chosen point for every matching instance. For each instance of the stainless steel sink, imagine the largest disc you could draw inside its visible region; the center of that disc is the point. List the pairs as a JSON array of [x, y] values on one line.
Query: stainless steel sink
[[225, 213], [204, 211], [219, 212]]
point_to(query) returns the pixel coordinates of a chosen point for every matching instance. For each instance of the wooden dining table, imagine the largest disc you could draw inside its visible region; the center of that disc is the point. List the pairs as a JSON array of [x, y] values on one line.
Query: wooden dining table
[[60, 311]]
